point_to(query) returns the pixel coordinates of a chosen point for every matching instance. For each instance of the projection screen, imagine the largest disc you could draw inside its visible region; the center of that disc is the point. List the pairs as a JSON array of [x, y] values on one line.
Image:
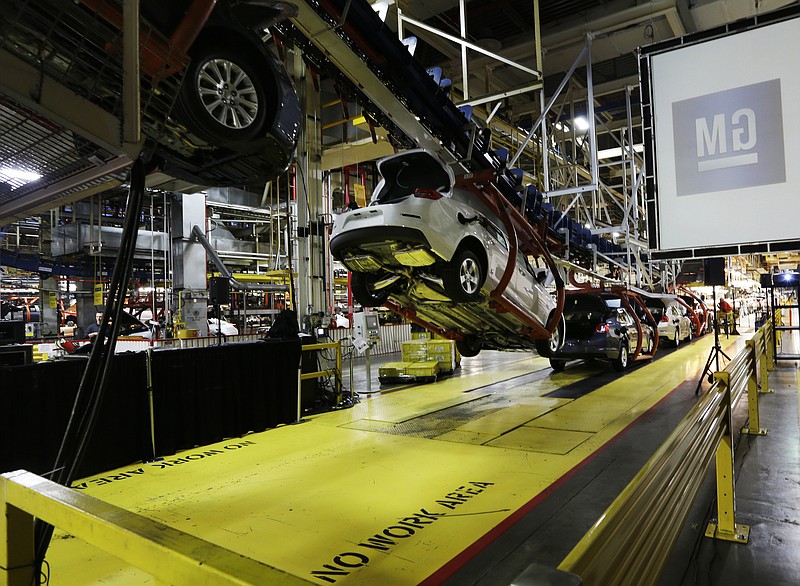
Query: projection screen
[[724, 147]]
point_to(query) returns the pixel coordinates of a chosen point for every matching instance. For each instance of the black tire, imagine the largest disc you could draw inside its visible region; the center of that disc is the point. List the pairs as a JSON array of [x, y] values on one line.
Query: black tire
[[557, 365], [677, 340], [546, 348], [364, 292], [463, 277], [468, 347], [224, 96], [621, 361], [689, 336], [650, 344]]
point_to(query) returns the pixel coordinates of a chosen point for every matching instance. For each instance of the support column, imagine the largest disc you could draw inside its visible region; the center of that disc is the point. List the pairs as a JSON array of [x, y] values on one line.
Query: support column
[[48, 303], [311, 231], [190, 292], [85, 304]]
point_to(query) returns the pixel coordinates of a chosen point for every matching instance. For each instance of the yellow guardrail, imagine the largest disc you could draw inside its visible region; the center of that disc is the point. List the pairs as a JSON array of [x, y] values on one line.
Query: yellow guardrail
[[335, 372], [632, 540], [169, 555]]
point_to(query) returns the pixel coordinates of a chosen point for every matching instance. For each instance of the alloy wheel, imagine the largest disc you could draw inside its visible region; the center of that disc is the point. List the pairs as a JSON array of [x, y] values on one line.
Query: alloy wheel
[[227, 93]]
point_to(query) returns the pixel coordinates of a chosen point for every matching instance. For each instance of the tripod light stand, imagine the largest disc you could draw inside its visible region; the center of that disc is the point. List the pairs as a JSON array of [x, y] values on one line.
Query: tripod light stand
[[716, 350]]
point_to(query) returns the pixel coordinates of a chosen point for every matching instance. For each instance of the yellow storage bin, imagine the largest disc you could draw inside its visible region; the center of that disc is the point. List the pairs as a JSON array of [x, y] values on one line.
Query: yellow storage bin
[[414, 350], [428, 369], [392, 369]]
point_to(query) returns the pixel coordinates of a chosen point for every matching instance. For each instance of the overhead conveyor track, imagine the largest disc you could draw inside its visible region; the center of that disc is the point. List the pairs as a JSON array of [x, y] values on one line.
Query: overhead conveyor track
[[348, 38]]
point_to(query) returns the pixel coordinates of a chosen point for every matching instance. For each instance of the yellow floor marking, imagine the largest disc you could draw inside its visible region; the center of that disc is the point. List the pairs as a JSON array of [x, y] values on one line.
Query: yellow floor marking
[[419, 400], [502, 421], [550, 441], [372, 508], [591, 413], [418, 405], [465, 437]]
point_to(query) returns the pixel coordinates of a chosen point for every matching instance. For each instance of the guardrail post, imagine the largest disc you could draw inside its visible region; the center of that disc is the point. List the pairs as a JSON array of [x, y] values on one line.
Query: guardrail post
[[17, 565], [769, 335], [752, 393], [764, 361], [726, 527]]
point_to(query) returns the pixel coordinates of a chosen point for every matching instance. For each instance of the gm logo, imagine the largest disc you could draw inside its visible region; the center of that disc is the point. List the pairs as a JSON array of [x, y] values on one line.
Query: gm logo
[[729, 140]]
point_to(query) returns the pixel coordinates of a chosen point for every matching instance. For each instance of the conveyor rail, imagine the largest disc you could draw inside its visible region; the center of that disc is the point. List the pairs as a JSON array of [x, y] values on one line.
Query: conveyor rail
[[350, 36]]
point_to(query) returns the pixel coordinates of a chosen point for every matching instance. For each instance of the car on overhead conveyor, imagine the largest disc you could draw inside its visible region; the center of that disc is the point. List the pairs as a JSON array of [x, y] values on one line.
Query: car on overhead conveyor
[[602, 326], [217, 105], [433, 250], [672, 315]]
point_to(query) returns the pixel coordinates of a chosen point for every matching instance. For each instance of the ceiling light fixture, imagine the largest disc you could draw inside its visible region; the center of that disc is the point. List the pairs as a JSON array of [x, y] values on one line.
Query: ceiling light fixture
[[616, 152], [12, 173]]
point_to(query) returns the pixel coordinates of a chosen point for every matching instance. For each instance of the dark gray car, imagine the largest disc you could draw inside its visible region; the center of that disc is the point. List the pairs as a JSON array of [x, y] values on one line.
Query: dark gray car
[[599, 326]]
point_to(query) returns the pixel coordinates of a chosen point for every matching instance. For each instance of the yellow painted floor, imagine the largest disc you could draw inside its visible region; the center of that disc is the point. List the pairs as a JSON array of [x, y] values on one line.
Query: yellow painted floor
[[371, 495]]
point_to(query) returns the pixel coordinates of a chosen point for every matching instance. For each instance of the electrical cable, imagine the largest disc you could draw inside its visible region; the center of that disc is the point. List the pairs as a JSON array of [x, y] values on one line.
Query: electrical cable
[[92, 387]]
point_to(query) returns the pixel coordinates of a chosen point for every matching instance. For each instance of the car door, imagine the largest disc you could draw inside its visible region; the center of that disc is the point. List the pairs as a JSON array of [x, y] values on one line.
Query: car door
[[632, 335], [526, 288], [496, 251], [672, 325]]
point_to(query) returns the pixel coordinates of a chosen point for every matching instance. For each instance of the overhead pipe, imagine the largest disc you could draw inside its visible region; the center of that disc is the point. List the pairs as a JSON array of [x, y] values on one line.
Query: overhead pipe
[[198, 233]]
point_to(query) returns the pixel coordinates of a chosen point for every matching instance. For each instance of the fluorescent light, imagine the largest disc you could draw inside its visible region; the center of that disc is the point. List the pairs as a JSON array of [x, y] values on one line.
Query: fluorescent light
[[616, 152], [19, 174], [581, 123]]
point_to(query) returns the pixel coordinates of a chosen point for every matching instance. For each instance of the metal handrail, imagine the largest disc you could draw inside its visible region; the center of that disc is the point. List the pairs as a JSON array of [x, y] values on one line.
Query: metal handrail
[[169, 555], [633, 538]]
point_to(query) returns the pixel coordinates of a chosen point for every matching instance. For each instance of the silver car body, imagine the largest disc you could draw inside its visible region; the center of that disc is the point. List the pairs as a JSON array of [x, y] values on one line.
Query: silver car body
[[672, 318], [413, 237]]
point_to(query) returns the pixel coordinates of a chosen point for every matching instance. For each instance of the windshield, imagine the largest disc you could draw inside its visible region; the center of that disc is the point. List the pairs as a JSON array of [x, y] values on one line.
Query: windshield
[[403, 175]]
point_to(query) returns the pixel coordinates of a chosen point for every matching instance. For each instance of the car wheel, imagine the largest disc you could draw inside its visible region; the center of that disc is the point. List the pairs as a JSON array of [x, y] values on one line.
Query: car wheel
[[548, 347], [689, 335], [463, 277], [364, 292], [557, 365], [677, 340], [621, 361], [470, 346], [224, 95]]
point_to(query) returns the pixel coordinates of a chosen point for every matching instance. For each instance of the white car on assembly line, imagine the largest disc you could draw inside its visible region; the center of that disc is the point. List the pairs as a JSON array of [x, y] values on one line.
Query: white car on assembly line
[[674, 323], [439, 251]]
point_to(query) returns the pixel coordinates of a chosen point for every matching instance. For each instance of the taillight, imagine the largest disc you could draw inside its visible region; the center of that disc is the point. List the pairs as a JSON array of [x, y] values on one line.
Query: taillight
[[427, 193], [601, 328], [664, 318]]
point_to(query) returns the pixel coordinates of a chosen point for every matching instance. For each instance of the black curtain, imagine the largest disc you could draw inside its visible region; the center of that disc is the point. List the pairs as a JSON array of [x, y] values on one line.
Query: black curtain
[[35, 405], [204, 395]]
